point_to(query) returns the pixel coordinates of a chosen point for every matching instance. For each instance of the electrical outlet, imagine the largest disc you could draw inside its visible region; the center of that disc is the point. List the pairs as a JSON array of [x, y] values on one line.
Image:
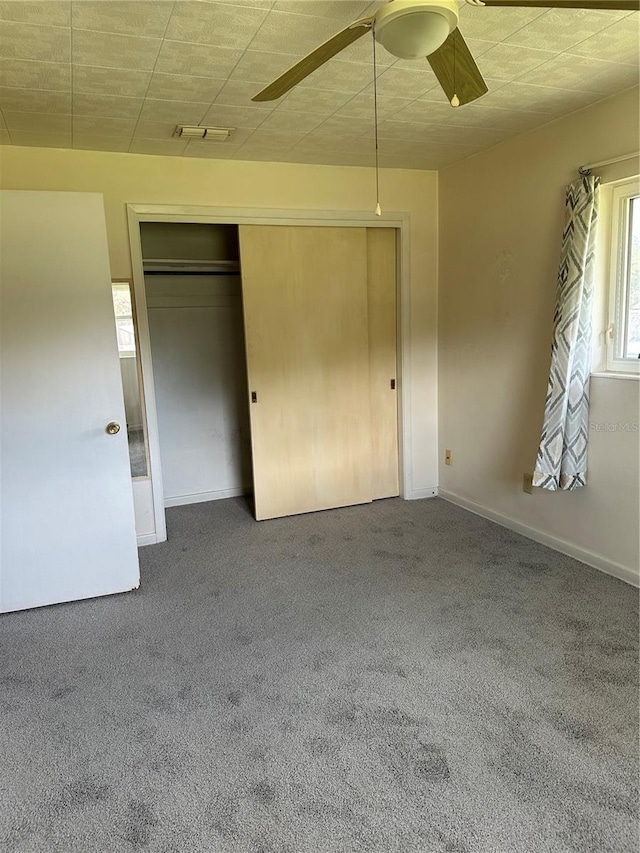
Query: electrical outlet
[[527, 483], [448, 457]]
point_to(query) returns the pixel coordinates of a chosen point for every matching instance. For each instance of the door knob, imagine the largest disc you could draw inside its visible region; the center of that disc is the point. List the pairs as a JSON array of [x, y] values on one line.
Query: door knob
[[113, 428]]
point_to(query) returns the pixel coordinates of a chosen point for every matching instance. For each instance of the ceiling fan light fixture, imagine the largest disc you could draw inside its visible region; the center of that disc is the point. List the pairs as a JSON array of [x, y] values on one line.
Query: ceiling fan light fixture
[[413, 30]]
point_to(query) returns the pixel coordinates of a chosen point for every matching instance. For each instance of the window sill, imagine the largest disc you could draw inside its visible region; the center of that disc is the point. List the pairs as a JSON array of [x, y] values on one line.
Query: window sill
[[603, 374]]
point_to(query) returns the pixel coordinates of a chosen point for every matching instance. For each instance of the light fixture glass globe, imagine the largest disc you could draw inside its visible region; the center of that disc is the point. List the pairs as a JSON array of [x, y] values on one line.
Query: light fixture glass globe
[[414, 35]]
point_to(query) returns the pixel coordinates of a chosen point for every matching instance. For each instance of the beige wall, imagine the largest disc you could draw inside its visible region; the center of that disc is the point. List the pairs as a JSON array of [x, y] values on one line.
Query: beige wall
[[501, 216], [141, 179]]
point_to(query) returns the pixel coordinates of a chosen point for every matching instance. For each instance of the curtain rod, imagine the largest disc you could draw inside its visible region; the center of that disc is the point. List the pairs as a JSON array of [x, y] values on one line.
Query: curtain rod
[[586, 170]]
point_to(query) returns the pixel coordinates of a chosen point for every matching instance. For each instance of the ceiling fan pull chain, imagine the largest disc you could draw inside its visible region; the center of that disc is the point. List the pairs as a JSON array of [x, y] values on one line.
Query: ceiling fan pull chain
[[375, 120], [455, 101]]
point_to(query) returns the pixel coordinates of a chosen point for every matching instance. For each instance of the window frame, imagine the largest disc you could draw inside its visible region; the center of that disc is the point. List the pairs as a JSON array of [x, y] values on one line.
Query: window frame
[[618, 280]]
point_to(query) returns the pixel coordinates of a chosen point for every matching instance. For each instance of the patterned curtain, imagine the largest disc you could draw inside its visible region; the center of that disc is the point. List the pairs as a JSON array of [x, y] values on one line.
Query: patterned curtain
[[562, 456]]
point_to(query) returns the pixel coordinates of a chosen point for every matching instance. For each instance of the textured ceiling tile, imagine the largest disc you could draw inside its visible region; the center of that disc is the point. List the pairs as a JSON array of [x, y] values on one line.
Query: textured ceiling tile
[[155, 130], [560, 29], [54, 13], [221, 115], [261, 68], [508, 61], [96, 142], [2, 124], [169, 147], [103, 126], [362, 106], [106, 105], [34, 101], [329, 117], [133, 17], [198, 60], [111, 50], [479, 137], [173, 112], [339, 76], [5, 138], [295, 34], [38, 122], [24, 74], [346, 126], [581, 72], [426, 112], [29, 41], [429, 158], [41, 140], [494, 24], [238, 93], [409, 131], [343, 11], [174, 87], [320, 101], [322, 143], [89, 79], [523, 96], [288, 121], [265, 5], [477, 115], [211, 23], [271, 139], [403, 83], [618, 43]]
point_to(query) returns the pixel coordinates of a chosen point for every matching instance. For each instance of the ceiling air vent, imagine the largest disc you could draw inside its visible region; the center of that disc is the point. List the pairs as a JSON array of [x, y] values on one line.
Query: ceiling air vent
[[212, 134]]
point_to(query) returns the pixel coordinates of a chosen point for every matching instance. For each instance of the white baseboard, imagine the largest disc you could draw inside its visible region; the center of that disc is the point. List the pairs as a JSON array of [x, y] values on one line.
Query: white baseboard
[[596, 561], [147, 539], [419, 494], [203, 497]]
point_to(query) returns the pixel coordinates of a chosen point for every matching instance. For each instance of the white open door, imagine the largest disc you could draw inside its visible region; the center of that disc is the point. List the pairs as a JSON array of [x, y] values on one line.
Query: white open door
[[67, 519]]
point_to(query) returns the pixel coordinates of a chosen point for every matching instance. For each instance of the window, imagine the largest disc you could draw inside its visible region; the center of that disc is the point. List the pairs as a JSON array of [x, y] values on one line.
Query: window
[[124, 320], [623, 329]]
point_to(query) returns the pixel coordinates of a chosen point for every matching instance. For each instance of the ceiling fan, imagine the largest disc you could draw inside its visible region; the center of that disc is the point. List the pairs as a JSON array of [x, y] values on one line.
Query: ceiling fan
[[415, 29]]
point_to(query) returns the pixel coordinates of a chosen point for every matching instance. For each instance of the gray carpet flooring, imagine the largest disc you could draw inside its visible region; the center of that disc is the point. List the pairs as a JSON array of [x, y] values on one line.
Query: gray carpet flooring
[[395, 677]]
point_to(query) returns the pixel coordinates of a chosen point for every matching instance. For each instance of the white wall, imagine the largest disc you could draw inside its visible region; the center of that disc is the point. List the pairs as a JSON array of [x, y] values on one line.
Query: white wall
[[147, 179], [200, 381], [501, 217]]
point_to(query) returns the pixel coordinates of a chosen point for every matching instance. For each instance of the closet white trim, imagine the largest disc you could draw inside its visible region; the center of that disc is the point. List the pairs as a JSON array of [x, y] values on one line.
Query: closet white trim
[[138, 213]]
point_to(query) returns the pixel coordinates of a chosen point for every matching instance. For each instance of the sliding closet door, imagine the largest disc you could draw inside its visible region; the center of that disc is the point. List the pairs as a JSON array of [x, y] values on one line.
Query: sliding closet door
[[381, 275], [306, 328]]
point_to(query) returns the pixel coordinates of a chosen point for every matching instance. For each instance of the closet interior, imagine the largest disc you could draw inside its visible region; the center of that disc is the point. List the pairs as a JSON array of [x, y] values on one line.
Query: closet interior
[[194, 304]]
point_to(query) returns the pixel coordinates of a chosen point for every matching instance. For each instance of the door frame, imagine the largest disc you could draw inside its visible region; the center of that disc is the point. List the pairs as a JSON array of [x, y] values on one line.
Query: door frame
[[400, 221]]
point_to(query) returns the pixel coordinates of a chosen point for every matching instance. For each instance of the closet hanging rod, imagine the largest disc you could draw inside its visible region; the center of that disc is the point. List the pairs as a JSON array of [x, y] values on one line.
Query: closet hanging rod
[[190, 265], [192, 272]]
